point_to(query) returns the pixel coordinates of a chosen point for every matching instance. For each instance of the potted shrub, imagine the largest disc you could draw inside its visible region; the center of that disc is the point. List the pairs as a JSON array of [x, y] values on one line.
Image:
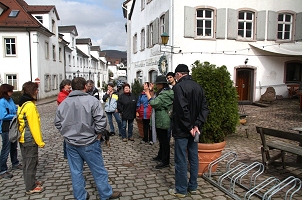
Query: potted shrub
[[222, 102], [136, 89]]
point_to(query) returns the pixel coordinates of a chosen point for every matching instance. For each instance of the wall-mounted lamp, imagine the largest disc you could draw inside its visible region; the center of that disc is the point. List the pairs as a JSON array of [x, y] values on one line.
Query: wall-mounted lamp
[[164, 41]]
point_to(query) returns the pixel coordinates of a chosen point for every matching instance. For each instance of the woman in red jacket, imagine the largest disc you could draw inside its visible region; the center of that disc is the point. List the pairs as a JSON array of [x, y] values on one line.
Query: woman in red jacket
[[65, 89]]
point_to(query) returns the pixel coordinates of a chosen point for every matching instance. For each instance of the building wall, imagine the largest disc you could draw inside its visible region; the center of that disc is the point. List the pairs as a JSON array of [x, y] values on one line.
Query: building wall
[[268, 67]]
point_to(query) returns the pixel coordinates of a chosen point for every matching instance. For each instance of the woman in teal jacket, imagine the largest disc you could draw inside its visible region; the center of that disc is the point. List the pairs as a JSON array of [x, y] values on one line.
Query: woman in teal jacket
[[8, 110], [162, 103]]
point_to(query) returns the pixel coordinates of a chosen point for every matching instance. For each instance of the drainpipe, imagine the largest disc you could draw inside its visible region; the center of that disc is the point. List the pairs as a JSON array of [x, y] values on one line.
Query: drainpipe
[[172, 32], [30, 62]]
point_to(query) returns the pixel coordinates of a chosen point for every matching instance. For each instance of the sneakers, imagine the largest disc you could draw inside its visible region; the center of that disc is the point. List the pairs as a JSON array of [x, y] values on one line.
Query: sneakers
[[17, 167], [124, 140], [192, 192], [142, 142], [37, 189], [6, 175], [116, 195], [131, 139], [161, 166], [151, 143], [39, 183], [174, 193]]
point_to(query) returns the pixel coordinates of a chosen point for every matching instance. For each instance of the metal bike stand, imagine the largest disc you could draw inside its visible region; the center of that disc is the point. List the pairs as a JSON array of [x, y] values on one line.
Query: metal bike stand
[[246, 176]]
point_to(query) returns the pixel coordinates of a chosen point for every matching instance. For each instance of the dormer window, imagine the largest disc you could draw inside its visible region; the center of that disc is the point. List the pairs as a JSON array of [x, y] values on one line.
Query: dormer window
[[14, 13], [39, 18]]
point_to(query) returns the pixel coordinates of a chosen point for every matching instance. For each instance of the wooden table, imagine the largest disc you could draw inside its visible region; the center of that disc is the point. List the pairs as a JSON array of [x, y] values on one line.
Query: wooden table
[[299, 158], [292, 89]]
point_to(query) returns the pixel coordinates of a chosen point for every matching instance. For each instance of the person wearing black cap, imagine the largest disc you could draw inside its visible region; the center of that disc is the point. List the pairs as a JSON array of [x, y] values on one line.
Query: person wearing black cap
[[190, 111], [161, 104]]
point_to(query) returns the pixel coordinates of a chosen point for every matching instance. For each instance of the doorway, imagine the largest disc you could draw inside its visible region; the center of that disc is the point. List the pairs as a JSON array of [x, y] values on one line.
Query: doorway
[[245, 85]]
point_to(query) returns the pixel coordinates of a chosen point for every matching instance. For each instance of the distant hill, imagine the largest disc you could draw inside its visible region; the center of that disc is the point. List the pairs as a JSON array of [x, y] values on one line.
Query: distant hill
[[115, 53]]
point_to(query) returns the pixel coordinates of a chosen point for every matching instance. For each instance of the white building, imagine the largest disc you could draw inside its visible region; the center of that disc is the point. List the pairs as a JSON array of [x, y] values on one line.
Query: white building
[[31, 49], [266, 34]]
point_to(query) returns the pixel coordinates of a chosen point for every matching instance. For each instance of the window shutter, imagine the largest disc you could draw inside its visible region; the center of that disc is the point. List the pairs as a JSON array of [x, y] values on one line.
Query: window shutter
[[133, 41], [220, 23], [189, 22], [260, 26], [232, 24], [272, 25], [167, 22], [155, 31], [148, 37], [298, 29]]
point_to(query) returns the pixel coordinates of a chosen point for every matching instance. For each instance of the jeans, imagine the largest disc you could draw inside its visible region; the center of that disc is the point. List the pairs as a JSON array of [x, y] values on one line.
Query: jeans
[[164, 146], [30, 162], [92, 155], [8, 148], [184, 146], [130, 128], [117, 119]]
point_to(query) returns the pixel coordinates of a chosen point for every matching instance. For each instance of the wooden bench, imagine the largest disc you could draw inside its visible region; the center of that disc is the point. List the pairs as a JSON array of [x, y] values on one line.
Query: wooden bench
[[283, 146]]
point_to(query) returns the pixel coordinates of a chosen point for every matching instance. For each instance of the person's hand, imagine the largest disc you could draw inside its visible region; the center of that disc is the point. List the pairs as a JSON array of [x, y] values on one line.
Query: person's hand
[[194, 130], [151, 86], [137, 114]]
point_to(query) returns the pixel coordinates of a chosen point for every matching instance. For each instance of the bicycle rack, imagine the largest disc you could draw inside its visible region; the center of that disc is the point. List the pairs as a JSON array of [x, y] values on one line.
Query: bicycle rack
[[246, 177]]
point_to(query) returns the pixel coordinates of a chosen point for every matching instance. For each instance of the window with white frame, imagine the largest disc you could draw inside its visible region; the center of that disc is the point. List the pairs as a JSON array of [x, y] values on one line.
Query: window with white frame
[[246, 24], [142, 39], [143, 3], [69, 60], [60, 54], [162, 26], [135, 43], [10, 46], [151, 35], [46, 50], [47, 82], [39, 18], [285, 25], [54, 52], [205, 23], [53, 23], [55, 82], [12, 80]]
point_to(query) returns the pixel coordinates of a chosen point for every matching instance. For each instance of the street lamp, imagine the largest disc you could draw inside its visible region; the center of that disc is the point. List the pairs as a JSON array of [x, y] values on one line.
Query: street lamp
[[164, 38], [78, 72]]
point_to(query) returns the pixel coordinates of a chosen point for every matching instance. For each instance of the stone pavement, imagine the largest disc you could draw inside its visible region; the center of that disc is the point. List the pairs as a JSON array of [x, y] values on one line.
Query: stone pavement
[[129, 164]]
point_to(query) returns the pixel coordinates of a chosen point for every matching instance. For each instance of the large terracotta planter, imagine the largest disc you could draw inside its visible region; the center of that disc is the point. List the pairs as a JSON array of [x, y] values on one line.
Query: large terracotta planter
[[140, 127], [207, 153]]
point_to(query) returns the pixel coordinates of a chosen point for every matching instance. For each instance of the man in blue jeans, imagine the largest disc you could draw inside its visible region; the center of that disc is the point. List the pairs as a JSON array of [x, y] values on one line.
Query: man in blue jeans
[[110, 98], [81, 121], [189, 115]]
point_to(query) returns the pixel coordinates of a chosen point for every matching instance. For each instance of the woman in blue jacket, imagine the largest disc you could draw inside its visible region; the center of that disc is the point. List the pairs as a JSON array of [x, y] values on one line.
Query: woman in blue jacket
[[8, 110]]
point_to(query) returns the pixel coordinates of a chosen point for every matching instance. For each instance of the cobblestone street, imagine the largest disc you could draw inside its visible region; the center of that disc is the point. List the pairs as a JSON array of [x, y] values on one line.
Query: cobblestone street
[[129, 164]]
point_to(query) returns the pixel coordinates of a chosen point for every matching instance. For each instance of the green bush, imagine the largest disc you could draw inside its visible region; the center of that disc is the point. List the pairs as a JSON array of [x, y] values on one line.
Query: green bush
[[137, 88], [16, 96], [222, 101]]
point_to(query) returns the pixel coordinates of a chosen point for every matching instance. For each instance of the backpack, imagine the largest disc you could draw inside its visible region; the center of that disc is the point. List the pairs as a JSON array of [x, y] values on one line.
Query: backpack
[[14, 133]]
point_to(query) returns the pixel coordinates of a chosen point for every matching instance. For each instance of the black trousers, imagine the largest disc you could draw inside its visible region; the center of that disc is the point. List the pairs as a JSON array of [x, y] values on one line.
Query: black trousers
[[164, 145], [147, 130], [30, 163]]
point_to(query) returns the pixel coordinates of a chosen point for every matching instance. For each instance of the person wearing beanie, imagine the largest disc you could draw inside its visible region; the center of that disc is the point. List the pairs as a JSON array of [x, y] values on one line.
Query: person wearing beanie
[[189, 115], [110, 98], [126, 106], [161, 104], [171, 79]]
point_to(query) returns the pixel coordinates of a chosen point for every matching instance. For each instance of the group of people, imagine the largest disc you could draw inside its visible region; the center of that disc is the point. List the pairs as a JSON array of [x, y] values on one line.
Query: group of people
[[178, 106]]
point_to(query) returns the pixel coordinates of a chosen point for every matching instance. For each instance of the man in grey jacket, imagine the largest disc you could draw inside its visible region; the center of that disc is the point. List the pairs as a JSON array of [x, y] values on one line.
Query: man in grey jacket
[[81, 121]]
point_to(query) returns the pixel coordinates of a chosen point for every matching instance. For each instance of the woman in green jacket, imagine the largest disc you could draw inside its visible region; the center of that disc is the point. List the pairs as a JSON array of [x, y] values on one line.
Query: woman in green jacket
[[162, 104]]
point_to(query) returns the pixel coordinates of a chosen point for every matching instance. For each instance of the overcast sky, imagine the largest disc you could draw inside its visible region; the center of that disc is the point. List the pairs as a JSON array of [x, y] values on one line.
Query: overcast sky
[[100, 20]]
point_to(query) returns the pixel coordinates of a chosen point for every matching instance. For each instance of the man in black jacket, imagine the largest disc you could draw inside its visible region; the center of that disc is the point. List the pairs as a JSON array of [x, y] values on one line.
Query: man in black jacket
[[190, 111]]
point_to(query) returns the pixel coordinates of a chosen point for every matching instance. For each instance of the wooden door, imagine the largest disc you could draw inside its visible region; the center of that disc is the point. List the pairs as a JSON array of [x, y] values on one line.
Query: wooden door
[[243, 84]]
